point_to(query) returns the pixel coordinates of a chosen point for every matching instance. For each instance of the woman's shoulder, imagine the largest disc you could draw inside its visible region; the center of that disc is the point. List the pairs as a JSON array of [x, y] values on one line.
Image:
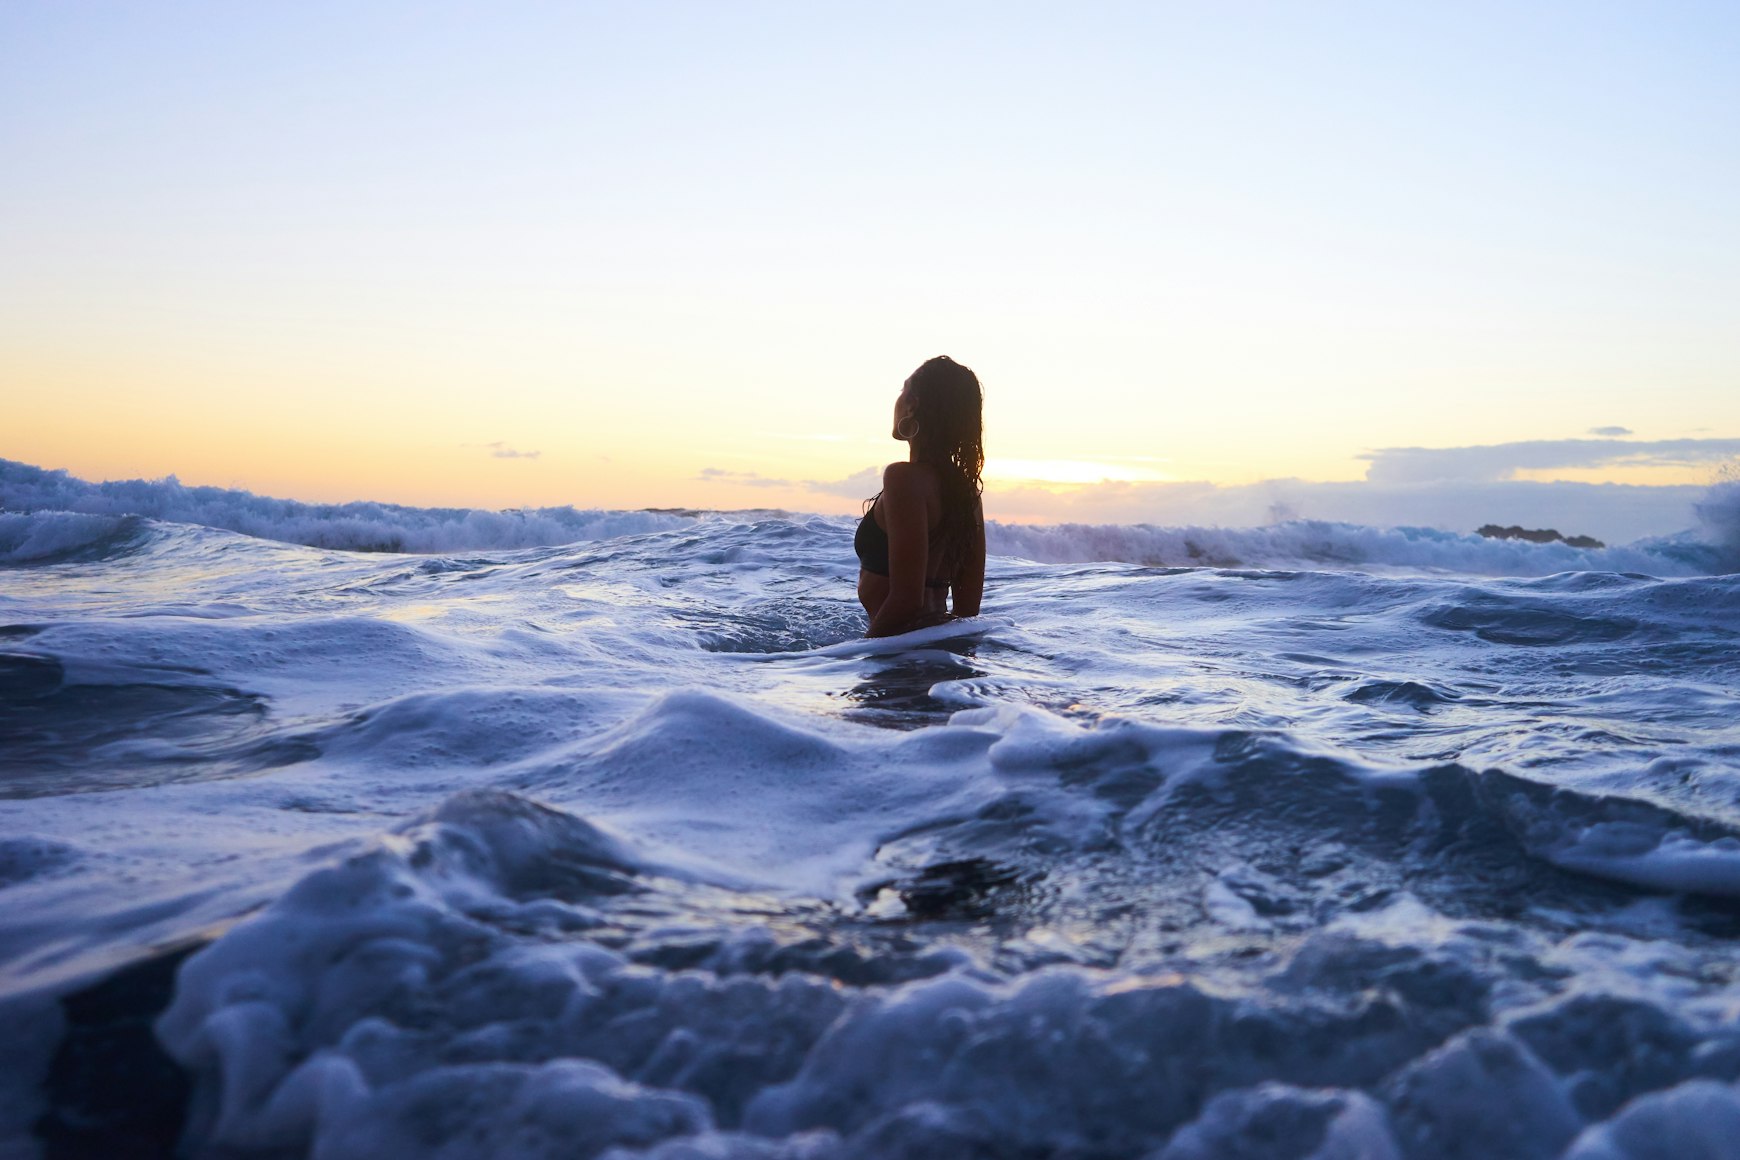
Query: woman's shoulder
[[904, 476], [905, 473]]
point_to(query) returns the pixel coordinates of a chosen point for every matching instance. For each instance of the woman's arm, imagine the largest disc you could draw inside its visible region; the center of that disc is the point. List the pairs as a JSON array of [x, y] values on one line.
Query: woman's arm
[[905, 520], [968, 583]]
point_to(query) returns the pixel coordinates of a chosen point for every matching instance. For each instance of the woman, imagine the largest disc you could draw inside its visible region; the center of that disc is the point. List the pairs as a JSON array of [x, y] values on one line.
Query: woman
[[924, 533]]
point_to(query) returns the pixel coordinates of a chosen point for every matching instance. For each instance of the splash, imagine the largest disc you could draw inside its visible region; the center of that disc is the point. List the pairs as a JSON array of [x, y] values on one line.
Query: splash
[[361, 526], [1719, 514]]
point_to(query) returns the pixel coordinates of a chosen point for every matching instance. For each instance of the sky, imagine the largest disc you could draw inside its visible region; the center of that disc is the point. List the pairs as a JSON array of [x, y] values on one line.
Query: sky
[[684, 254]]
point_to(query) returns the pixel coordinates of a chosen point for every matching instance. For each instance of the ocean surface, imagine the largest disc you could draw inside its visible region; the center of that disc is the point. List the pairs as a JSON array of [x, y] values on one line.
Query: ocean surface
[[372, 831]]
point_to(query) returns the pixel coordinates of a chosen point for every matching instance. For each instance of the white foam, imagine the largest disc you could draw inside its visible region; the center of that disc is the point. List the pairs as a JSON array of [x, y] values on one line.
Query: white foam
[[1353, 1126], [308, 974], [38, 536], [1113, 831], [370, 526], [361, 526], [729, 791], [1481, 1094], [965, 628], [1646, 856], [1698, 1120], [1719, 513]]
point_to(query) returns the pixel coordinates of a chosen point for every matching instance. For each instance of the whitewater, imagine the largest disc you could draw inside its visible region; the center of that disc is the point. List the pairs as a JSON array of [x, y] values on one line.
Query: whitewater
[[374, 831]]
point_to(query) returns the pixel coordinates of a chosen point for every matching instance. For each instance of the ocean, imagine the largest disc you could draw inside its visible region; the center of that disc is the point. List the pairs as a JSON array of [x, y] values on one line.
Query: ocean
[[373, 831]]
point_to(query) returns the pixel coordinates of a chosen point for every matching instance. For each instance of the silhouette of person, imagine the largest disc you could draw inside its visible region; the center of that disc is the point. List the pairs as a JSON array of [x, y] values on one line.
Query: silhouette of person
[[922, 537]]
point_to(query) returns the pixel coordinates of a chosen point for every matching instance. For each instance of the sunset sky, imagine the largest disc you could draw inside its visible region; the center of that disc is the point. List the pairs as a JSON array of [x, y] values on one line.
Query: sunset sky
[[640, 254]]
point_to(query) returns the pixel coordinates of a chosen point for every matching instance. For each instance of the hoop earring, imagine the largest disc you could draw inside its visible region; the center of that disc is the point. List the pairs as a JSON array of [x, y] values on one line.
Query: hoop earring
[[900, 428]]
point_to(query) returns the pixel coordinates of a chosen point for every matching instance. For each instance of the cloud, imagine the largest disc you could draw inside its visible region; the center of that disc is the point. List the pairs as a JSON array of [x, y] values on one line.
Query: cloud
[[1501, 461], [859, 485], [741, 478], [500, 450], [1614, 512], [1486, 493], [1610, 431]]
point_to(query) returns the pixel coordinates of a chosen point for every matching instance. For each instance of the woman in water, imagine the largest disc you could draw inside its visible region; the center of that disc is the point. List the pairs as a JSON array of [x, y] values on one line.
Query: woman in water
[[924, 533]]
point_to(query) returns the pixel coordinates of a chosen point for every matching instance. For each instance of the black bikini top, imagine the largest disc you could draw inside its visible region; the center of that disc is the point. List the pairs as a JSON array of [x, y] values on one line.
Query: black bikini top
[[871, 544]]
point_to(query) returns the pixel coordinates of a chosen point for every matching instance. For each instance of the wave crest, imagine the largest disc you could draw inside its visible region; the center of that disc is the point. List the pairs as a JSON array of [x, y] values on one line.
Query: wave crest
[[383, 527], [1719, 513], [360, 526], [59, 537]]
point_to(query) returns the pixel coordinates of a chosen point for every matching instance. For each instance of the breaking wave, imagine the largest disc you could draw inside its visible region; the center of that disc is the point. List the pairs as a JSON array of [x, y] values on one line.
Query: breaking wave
[[49, 515]]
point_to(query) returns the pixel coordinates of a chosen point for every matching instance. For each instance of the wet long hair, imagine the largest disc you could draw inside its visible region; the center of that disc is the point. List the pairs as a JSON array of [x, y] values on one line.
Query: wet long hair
[[949, 405]]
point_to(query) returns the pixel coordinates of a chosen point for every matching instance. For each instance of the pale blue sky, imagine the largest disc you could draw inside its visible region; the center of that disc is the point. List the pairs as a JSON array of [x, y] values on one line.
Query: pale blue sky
[[333, 249]]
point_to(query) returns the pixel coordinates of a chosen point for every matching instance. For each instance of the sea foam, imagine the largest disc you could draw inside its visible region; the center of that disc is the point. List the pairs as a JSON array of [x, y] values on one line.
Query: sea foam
[[361, 526], [47, 515], [1302, 840]]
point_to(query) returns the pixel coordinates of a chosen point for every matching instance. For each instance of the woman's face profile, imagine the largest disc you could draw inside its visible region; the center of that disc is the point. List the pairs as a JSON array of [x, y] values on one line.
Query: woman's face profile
[[902, 407]]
